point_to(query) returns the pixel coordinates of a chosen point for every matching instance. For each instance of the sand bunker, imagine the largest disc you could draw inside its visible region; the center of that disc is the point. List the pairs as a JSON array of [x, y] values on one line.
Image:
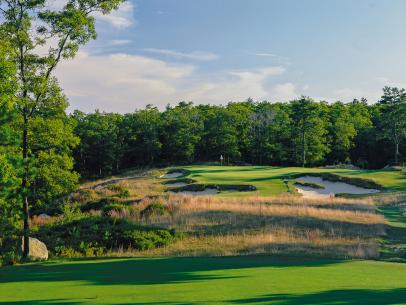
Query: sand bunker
[[172, 175], [207, 191], [232, 191], [330, 188], [176, 184]]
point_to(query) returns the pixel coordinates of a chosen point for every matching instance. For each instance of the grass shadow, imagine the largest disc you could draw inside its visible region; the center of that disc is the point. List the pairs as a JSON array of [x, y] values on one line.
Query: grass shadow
[[342, 297]]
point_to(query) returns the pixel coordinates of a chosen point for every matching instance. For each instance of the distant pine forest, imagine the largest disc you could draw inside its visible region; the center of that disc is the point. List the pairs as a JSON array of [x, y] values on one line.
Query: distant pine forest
[[301, 132]]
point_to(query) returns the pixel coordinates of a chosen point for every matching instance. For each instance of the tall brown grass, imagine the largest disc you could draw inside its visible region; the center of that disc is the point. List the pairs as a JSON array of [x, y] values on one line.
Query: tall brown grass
[[284, 224]]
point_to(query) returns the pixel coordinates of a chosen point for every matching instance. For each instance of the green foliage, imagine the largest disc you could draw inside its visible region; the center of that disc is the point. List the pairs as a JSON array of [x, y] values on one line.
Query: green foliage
[[99, 204], [154, 209], [120, 190], [309, 122], [95, 235], [301, 132], [44, 132], [393, 118], [100, 150], [116, 207], [142, 130], [220, 135], [182, 128]]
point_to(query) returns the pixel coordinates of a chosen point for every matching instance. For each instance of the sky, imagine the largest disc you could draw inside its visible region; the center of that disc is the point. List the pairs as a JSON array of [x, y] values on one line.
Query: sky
[[215, 51]]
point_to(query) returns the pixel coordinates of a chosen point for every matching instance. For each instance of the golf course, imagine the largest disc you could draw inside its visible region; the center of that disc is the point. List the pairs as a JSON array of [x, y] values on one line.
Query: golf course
[[222, 280], [269, 180], [179, 152], [293, 275]]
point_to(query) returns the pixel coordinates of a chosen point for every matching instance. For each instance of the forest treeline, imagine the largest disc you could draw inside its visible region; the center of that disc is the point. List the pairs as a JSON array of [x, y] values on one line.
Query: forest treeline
[[301, 132]]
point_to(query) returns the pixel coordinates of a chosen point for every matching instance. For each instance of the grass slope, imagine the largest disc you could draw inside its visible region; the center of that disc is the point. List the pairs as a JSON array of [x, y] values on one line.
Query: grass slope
[[269, 180], [222, 280]]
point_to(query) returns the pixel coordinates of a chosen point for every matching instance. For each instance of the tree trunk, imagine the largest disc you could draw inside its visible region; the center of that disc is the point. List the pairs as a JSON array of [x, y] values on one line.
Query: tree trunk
[[26, 208]]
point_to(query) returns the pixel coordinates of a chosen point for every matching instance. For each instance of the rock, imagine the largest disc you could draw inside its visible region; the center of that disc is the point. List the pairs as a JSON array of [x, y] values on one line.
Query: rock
[[38, 250], [44, 216]]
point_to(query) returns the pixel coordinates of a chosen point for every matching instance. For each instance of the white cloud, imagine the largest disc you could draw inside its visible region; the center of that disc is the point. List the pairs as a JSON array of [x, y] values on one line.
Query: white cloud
[[119, 42], [121, 18], [284, 92], [264, 54], [123, 82], [197, 55], [384, 81]]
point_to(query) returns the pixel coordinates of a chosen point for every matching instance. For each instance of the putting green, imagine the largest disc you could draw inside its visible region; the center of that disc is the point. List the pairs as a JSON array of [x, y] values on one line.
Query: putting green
[[269, 180], [225, 280]]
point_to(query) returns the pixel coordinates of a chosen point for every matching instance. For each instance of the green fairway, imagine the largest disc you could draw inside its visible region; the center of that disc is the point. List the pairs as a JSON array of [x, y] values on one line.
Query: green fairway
[[269, 180], [225, 280]]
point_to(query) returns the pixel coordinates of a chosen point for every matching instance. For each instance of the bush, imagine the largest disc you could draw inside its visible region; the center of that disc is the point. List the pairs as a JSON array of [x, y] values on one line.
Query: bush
[[84, 195], [99, 205], [93, 236], [115, 188], [154, 209], [124, 194], [117, 207], [145, 240], [9, 258]]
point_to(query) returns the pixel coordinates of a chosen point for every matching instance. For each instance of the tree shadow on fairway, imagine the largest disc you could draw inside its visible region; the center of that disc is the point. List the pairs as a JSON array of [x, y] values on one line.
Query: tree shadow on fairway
[[145, 271], [342, 297], [48, 302]]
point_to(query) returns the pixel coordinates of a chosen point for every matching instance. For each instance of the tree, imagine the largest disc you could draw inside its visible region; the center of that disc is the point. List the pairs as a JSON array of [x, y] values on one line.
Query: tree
[[309, 130], [364, 141], [29, 25], [100, 150], [393, 119], [220, 135], [9, 182], [242, 117], [270, 133], [141, 131], [341, 133], [181, 132]]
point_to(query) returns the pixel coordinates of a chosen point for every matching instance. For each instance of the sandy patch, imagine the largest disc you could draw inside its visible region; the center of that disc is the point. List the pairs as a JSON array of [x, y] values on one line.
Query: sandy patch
[[330, 188], [208, 191], [172, 175]]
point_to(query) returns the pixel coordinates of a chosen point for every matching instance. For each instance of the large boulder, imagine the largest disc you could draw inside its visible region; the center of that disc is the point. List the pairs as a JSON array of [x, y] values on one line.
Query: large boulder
[[38, 250]]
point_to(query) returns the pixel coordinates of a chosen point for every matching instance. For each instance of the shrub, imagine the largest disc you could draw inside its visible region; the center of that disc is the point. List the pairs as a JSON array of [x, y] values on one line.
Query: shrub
[[124, 194], [84, 195], [9, 258], [118, 207], [154, 209], [93, 236], [115, 188], [145, 240], [69, 252], [98, 205]]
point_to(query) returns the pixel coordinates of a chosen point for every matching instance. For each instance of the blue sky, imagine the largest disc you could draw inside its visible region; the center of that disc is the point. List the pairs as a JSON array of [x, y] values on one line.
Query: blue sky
[[215, 51]]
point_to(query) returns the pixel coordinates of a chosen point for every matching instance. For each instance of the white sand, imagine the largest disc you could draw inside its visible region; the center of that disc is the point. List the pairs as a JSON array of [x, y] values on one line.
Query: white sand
[[330, 188], [208, 191], [172, 175], [176, 184]]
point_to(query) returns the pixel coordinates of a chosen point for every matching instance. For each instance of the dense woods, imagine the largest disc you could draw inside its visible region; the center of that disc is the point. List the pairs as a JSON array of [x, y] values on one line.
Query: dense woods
[[301, 132]]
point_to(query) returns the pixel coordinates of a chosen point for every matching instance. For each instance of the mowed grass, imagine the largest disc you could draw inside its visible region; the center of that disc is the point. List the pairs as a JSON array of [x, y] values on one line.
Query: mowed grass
[[221, 280], [269, 180]]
